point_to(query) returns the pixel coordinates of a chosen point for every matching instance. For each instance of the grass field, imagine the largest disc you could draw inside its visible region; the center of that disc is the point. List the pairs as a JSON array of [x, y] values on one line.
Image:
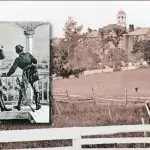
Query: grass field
[[108, 84]]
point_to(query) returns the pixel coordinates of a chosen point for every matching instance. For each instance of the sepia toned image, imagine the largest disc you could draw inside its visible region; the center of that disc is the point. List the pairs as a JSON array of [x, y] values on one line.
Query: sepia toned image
[[99, 76], [101, 73], [24, 81]]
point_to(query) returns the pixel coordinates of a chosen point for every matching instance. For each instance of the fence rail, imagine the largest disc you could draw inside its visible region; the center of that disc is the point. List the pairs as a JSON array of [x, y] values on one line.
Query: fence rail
[[66, 97], [10, 83], [76, 135]]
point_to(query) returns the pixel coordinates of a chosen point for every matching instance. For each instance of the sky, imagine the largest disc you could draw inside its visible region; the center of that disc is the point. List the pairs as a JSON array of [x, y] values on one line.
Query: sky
[[93, 14], [12, 35]]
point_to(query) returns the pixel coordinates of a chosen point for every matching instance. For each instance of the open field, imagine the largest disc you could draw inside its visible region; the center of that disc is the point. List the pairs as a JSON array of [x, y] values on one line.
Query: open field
[[97, 115], [109, 85]]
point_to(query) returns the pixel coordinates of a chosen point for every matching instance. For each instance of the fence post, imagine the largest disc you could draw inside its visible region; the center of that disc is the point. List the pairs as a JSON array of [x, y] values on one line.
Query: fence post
[[147, 108], [76, 142], [93, 96], [142, 119], [67, 93], [109, 111], [54, 103], [57, 108], [125, 96]]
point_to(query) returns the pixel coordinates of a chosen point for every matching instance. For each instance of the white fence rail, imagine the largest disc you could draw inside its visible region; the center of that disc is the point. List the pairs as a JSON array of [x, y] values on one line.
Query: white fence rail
[[76, 135]]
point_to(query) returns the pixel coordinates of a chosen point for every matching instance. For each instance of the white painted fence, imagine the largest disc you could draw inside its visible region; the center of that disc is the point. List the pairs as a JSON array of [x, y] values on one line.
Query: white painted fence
[[129, 68], [89, 72], [76, 133]]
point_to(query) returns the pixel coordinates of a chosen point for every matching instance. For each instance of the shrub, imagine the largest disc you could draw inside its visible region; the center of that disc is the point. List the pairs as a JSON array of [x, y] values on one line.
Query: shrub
[[117, 69]]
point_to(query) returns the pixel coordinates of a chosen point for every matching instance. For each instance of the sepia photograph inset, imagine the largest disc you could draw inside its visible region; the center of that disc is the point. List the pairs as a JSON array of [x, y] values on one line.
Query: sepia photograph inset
[[24, 72], [101, 70]]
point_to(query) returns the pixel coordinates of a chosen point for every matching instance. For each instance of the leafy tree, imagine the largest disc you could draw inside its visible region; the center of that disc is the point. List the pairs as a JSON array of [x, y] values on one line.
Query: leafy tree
[[143, 48], [116, 54], [72, 34], [116, 36], [103, 36], [136, 50], [63, 52]]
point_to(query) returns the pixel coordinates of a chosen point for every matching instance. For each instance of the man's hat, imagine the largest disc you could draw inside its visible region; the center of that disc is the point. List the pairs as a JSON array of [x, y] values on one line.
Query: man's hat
[[19, 48]]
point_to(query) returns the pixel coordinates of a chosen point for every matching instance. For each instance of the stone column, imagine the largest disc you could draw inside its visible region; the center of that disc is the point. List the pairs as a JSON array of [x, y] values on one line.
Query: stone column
[[29, 41], [29, 48]]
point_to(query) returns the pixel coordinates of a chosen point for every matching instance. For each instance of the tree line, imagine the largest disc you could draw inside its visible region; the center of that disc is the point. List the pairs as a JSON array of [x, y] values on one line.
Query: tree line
[[108, 51]]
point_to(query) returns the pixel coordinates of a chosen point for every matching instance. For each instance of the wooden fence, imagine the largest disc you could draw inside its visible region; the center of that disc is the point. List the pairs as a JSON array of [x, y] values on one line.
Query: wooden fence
[[66, 97], [80, 136]]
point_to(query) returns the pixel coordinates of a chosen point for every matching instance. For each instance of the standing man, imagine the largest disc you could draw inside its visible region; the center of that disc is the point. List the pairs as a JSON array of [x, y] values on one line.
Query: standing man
[[26, 61], [2, 88]]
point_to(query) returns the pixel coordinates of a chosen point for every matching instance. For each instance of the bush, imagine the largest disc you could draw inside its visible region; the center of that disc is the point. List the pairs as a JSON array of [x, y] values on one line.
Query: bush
[[143, 67], [117, 69], [66, 73]]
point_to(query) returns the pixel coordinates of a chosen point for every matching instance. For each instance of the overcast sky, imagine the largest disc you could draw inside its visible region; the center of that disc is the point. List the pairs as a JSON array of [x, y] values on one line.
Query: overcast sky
[[91, 14], [11, 35]]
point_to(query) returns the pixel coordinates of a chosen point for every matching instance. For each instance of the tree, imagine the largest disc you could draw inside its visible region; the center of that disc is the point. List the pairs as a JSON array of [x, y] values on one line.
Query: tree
[[63, 52], [58, 59], [116, 36], [143, 48], [102, 33], [116, 54], [115, 57], [72, 34], [136, 50]]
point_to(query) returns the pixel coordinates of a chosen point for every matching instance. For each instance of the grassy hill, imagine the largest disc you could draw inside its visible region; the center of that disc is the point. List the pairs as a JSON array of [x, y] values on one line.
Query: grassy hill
[[108, 84], [105, 85]]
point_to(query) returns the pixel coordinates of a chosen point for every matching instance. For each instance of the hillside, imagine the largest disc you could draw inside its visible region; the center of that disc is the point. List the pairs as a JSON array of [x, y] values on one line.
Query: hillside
[[108, 84]]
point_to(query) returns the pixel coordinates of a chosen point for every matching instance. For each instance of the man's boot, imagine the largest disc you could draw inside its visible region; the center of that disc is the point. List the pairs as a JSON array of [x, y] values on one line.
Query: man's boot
[[19, 101], [5, 99], [2, 104], [37, 101]]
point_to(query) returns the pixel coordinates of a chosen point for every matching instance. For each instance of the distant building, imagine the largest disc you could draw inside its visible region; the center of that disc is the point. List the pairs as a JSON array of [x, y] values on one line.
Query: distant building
[[135, 35], [128, 39], [121, 18]]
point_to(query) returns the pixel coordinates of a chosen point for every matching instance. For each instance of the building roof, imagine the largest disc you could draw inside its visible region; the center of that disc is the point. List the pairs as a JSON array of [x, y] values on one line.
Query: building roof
[[93, 34], [140, 31], [121, 12], [110, 26]]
